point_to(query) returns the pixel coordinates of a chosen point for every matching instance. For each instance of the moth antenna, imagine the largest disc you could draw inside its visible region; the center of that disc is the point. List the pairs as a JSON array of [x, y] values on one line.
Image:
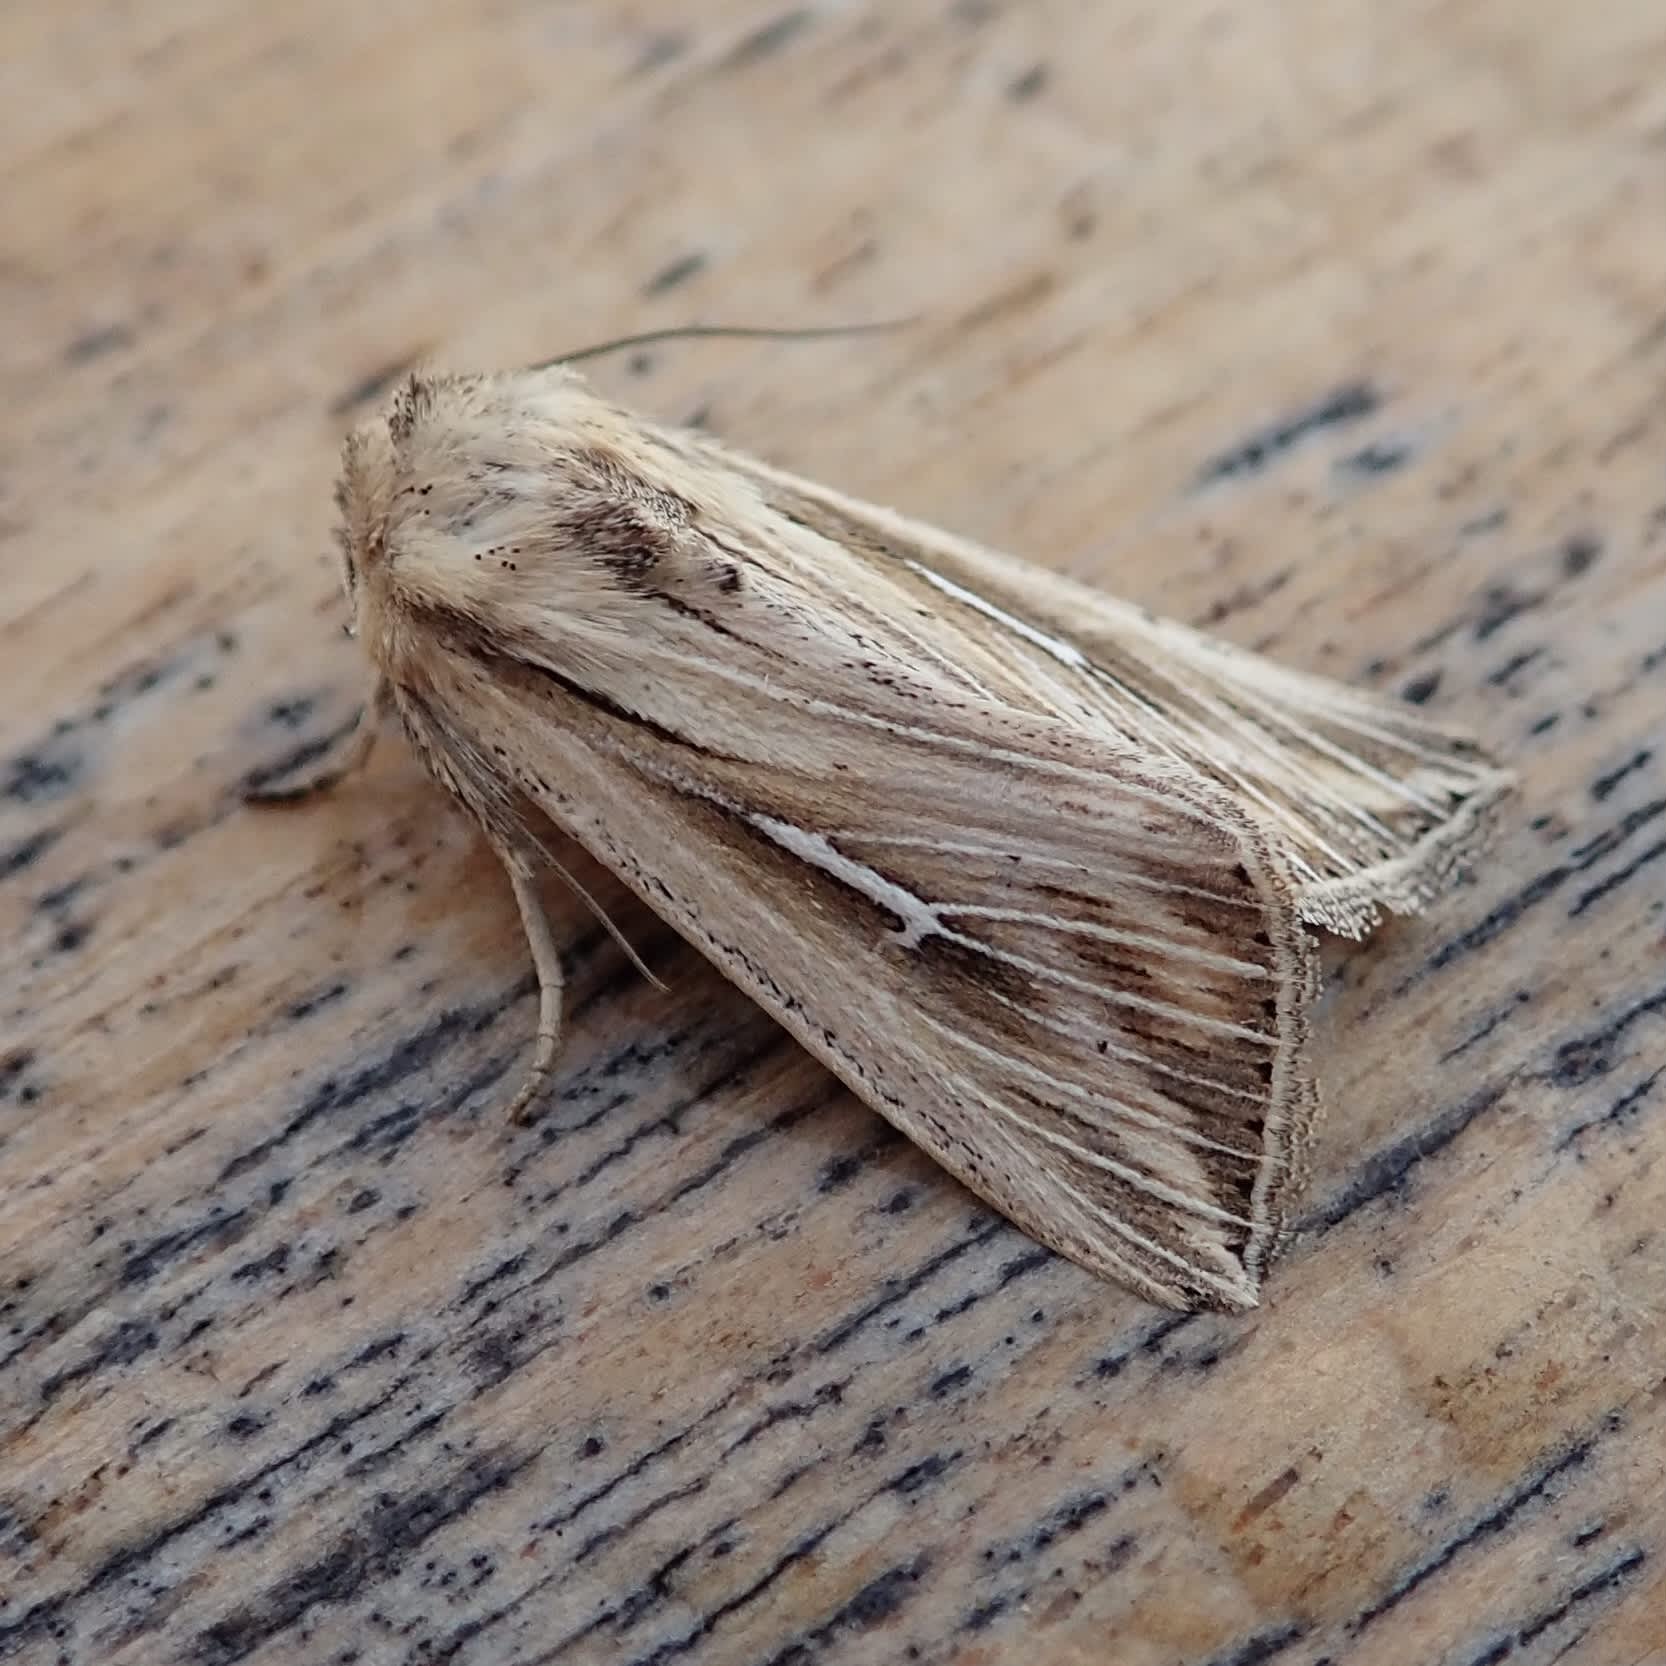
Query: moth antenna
[[691, 332]]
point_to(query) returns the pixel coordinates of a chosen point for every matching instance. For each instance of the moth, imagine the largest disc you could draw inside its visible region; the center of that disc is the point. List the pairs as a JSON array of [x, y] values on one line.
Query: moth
[[1031, 870]]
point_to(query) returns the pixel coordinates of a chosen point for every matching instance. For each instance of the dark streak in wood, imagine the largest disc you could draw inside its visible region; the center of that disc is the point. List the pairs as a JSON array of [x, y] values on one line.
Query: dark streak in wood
[[1619, 877], [660, 50], [97, 342], [1591, 1055], [1389, 1170], [1579, 554], [389, 1531], [263, 776], [675, 275], [1348, 404], [1604, 785], [28, 851], [771, 38], [1377, 459], [1265, 1645], [1510, 912], [1623, 1110], [41, 775], [1501, 605], [1538, 1486], [1032, 82]]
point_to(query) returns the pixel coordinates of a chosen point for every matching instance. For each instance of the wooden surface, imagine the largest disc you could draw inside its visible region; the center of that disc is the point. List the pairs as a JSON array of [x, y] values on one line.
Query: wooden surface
[[1339, 327]]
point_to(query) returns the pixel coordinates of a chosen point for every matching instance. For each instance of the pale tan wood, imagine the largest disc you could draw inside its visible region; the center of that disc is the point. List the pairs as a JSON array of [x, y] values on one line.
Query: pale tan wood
[[308, 1356]]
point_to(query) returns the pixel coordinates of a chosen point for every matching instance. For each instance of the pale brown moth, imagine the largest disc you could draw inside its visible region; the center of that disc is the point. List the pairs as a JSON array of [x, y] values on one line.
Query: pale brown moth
[[1027, 868]]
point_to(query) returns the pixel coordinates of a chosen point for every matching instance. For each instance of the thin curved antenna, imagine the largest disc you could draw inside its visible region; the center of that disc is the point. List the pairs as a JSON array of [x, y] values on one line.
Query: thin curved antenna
[[691, 332]]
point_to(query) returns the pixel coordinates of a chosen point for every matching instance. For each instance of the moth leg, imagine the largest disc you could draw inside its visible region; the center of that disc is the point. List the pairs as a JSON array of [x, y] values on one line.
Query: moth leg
[[349, 755], [546, 961]]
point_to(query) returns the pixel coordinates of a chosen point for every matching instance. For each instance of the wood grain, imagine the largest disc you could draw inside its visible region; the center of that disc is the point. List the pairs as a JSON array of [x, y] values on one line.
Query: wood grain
[[1337, 327]]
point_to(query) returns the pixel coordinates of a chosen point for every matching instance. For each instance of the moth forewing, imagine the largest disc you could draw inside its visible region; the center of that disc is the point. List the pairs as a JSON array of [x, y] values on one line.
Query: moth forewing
[[1076, 981], [1003, 892], [1374, 804]]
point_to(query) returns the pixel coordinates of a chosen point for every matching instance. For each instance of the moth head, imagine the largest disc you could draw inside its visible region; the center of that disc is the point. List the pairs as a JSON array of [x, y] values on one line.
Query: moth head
[[515, 505], [364, 497]]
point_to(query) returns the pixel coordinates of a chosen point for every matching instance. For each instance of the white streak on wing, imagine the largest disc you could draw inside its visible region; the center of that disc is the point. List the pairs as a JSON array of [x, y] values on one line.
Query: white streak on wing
[[1064, 652], [922, 920], [919, 918]]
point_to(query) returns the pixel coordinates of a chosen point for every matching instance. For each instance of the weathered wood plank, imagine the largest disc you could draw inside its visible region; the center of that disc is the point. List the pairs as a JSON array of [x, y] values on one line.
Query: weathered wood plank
[[1339, 329]]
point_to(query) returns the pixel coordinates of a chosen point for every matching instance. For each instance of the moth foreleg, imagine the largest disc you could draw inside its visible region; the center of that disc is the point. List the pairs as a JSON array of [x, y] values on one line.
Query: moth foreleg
[[347, 757], [546, 961]]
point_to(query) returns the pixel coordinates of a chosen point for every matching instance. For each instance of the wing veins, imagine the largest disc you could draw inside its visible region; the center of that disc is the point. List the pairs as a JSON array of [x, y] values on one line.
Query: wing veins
[[1105, 934], [1115, 1108]]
